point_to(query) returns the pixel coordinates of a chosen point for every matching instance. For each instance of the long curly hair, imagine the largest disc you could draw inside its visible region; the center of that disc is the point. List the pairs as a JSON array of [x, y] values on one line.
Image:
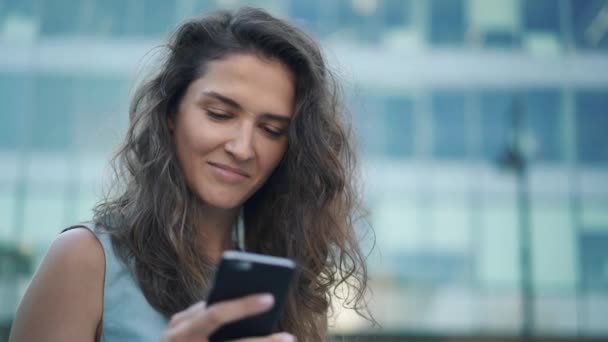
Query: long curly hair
[[308, 209]]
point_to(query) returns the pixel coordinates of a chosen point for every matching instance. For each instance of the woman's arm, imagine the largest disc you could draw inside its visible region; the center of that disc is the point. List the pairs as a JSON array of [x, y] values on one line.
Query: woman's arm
[[64, 301]]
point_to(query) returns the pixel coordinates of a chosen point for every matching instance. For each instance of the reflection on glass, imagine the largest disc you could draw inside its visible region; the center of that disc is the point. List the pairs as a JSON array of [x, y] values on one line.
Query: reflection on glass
[[447, 22], [399, 127], [591, 123], [449, 131]]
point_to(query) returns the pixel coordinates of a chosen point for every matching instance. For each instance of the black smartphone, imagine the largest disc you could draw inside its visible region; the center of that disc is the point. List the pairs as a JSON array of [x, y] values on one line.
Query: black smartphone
[[240, 274]]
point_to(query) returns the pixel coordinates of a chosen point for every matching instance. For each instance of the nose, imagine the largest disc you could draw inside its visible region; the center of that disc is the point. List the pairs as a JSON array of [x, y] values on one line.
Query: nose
[[240, 145]]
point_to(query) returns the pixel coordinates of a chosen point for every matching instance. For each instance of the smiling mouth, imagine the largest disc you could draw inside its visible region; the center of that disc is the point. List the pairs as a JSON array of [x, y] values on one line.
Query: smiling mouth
[[229, 173]]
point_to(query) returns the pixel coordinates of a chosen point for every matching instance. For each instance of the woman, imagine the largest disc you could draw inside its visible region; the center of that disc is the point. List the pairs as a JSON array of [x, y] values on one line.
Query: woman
[[241, 123]]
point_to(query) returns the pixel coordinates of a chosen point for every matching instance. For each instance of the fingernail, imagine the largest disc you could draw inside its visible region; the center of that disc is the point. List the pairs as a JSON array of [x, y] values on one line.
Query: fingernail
[[266, 299]]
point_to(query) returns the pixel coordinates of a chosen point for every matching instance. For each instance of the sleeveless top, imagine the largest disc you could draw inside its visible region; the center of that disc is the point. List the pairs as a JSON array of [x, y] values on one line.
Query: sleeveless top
[[127, 315]]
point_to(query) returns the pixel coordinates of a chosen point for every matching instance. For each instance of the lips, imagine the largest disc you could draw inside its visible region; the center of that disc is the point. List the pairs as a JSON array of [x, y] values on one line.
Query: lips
[[228, 173]]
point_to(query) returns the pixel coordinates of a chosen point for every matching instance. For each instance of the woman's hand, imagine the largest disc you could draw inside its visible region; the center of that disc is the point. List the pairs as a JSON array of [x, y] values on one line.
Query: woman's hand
[[198, 322]]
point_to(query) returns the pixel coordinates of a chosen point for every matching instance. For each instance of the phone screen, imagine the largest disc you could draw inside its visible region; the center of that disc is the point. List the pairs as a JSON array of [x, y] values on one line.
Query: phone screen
[[241, 274]]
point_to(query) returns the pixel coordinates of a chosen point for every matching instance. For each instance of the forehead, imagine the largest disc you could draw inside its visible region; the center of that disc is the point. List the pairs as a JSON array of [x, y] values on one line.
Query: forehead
[[257, 84]]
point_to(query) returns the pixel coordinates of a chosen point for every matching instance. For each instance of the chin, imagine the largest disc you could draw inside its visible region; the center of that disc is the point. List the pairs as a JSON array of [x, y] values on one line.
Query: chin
[[224, 203]]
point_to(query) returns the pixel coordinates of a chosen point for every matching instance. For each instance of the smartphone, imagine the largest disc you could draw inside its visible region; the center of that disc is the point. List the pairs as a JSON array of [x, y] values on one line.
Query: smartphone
[[241, 274]]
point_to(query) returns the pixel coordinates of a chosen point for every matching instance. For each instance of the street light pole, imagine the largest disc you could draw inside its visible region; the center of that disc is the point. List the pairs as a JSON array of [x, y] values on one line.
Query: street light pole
[[514, 158]]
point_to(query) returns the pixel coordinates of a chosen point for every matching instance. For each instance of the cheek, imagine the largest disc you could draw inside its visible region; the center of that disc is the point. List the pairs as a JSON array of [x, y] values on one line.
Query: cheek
[[271, 157]]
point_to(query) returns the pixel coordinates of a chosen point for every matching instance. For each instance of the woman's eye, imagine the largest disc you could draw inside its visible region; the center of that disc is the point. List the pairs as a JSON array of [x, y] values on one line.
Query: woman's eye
[[218, 115], [274, 132]]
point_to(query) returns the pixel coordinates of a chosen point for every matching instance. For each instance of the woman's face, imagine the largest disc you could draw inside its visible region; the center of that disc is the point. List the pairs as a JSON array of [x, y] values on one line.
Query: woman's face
[[230, 130]]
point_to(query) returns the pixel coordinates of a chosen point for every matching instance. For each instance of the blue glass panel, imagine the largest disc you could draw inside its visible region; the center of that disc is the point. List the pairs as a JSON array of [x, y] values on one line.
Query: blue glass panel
[[542, 111], [395, 13], [110, 18], [61, 17], [500, 39], [584, 13], [399, 125], [158, 17], [447, 22], [591, 124], [449, 129], [541, 15], [594, 260], [496, 118], [13, 99], [367, 123], [306, 12], [52, 119]]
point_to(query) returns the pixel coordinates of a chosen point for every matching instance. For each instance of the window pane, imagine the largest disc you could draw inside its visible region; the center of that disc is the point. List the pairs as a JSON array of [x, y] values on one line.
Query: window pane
[[591, 123], [495, 22], [396, 13], [587, 18], [109, 18], [61, 17], [449, 130], [52, 120], [594, 260], [14, 99], [306, 13], [541, 15], [158, 17], [399, 127], [100, 110], [541, 25], [542, 112], [447, 20], [496, 118], [368, 123]]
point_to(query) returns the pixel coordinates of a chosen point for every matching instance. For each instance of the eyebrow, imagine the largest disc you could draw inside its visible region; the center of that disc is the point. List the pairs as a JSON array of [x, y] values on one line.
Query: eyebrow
[[232, 103]]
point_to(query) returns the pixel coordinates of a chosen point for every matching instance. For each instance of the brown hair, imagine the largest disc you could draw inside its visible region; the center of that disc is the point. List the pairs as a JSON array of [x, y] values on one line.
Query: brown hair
[[306, 210]]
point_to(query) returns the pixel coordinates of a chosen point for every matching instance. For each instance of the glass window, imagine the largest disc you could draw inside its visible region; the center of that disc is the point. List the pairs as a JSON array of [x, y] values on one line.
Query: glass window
[[541, 15], [52, 120], [542, 111], [108, 19], [591, 123], [399, 127], [588, 18], [61, 17], [594, 260], [497, 261], [447, 22], [496, 117], [158, 17], [306, 11], [395, 13], [495, 23], [367, 112], [449, 131], [500, 39], [357, 20], [18, 19], [14, 100], [100, 110], [541, 24]]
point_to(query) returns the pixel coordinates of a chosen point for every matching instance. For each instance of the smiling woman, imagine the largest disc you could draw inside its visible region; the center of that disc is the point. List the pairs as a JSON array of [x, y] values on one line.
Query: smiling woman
[[226, 138], [242, 126]]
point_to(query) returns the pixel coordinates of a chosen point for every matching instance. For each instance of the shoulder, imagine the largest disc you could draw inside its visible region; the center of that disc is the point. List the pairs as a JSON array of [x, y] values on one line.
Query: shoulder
[[64, 301]]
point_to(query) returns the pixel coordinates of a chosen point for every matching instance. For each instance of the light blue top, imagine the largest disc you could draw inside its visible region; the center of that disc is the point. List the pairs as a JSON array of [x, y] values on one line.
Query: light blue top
[[127, 315]]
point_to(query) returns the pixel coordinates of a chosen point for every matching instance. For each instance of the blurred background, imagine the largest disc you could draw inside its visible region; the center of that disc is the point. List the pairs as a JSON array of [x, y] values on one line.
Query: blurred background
[[482, 126]]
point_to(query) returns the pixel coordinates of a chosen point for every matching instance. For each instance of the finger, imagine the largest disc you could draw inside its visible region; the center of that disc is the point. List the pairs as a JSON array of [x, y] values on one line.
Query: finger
[[189, 312], [204, 322], [280, 337]]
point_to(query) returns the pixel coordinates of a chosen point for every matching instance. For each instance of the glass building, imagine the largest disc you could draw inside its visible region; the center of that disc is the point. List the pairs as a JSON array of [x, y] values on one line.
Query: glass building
[[482, 126]]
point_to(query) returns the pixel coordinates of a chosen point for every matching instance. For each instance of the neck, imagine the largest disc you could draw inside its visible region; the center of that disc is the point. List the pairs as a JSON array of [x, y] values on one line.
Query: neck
[[215, 230]]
